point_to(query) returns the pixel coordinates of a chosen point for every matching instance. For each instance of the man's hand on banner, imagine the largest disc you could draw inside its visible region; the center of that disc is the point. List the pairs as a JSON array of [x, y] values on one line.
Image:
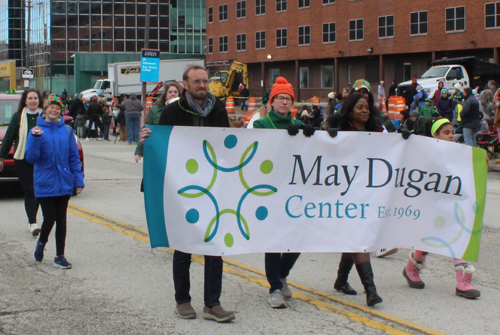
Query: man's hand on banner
[[333, 132], [293, 129], [145, 132], [308, 130]]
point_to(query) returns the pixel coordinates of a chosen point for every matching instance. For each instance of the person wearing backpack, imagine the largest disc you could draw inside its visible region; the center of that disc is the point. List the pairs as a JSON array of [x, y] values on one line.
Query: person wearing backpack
[[52, 149]]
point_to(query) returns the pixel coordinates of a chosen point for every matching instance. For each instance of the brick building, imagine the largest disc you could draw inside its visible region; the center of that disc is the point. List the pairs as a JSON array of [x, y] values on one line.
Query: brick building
[[323, 45]]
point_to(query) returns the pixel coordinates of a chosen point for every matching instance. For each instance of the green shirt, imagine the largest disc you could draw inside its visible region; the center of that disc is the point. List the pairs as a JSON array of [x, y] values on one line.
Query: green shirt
[[12, 134], [426, 111], [274, 121]]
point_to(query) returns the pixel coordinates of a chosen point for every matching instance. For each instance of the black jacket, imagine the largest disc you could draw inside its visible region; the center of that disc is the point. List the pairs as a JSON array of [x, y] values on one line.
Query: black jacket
[[179, 113], [470, 113], [94, 108], [76, 105]]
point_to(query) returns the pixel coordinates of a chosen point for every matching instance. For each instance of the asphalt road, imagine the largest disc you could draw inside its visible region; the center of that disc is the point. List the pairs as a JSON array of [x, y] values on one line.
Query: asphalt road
[[118, 285]]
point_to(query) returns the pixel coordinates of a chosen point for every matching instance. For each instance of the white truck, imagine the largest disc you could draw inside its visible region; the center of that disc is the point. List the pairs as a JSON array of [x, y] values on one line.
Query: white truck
[[468, 71], [125, 78]]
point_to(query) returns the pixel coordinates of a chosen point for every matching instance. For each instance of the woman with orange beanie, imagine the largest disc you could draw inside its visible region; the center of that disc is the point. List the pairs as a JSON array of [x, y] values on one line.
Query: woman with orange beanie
[[278, 265]]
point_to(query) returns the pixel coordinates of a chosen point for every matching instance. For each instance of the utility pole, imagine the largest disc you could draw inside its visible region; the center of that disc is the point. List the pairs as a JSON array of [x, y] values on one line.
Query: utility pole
[[28, 37], [146, 45]]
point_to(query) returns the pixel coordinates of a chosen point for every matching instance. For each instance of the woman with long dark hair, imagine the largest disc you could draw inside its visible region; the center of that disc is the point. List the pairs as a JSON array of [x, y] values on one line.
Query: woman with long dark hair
[[30, 106], [358, 116], [172, 90]]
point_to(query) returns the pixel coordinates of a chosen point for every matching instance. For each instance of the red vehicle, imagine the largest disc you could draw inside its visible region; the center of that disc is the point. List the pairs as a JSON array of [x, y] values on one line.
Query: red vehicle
[[8, 106]]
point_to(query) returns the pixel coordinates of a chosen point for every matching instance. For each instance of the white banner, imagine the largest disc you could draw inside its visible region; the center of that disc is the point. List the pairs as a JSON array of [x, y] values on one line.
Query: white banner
[[216, 191]]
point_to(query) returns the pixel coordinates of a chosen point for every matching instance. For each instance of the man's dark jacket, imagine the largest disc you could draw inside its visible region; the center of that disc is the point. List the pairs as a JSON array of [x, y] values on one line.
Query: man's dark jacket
[[179, 113]]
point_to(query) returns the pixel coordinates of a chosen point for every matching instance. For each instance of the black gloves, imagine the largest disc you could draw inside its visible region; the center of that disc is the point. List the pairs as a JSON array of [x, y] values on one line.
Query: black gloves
[[405, 133], [293, 129], [308, 130], [333, 132]]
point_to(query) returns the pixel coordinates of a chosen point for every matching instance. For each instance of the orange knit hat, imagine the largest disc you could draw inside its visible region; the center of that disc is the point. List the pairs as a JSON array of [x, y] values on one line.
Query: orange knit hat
[[281, 86]]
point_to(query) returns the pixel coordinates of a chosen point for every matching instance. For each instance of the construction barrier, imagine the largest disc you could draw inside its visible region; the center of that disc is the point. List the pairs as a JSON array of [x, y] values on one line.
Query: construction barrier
[[230, 105], [396, 105], [252, 103], [149, 103], [315, 101]]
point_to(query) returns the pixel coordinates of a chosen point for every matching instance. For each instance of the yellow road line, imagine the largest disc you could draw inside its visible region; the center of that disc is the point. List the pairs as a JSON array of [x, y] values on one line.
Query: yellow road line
[[142, 235]]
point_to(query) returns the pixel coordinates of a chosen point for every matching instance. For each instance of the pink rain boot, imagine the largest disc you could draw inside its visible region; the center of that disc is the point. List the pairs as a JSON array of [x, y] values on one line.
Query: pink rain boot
[[412, 272], [465, 288]]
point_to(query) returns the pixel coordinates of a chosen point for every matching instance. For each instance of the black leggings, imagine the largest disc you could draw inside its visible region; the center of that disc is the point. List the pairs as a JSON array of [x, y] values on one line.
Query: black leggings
[[24, 171], [54, 210]]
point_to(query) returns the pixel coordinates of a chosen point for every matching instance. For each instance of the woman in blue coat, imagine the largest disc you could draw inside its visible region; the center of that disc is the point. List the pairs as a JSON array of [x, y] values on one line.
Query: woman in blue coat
[[52, 149]]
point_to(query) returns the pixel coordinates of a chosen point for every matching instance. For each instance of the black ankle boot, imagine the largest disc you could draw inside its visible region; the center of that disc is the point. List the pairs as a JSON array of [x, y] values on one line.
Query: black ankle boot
[[366, 275], [341, 283]]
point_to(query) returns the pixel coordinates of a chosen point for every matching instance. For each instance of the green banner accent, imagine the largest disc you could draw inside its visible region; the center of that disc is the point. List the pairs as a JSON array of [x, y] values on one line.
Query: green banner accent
[[480, 168]]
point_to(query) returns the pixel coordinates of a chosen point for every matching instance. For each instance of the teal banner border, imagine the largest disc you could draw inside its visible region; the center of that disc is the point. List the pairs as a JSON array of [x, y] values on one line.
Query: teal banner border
[[156, 147]]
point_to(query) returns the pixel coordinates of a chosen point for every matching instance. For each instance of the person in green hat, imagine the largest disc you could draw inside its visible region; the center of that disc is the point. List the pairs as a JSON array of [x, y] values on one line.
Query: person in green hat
[[445, 105], [52, 150], [427, 109]]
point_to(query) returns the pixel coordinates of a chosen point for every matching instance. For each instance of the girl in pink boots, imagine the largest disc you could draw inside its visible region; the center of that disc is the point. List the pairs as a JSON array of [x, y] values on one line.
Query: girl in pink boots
[[441, 129]]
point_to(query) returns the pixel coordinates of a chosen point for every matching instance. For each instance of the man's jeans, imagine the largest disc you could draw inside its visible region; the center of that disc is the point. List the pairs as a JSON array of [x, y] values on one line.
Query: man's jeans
[[213, 278], [470, 136], [133, 124]]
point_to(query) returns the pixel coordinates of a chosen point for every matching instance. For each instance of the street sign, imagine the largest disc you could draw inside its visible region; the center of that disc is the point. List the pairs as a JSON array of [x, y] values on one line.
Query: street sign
[[150, 65], [28, 73]]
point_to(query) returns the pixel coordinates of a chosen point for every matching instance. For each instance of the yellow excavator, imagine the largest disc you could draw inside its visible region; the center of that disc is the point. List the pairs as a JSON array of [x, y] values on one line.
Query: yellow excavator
[[225, 83]]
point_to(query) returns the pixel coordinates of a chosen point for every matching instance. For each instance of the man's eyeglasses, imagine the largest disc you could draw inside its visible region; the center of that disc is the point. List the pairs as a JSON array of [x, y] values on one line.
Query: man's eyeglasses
[[281, 99], [200, 81]]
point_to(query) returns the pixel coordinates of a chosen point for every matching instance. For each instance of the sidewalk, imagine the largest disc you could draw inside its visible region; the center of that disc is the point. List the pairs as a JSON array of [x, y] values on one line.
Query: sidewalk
[[494, 166]]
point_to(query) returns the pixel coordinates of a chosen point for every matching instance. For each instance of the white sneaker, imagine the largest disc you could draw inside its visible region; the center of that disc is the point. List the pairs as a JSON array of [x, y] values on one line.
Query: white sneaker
[[287, 292], [385, 252], [34, 229], [276, 299], [87, 139], [100, 138]]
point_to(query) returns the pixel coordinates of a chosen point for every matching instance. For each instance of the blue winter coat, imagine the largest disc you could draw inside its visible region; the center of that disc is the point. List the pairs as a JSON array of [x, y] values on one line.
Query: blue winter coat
[[446, 107], [54, 154]]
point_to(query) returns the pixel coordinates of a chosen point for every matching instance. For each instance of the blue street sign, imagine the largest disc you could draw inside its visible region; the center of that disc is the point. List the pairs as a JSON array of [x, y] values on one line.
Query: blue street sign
[[150, 65]]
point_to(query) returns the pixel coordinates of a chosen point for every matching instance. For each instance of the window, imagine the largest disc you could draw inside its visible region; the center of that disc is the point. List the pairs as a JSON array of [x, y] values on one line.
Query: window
[[304, 77], [241, 42], [329, 32], [281, 5], [241, 9], [305, 35], [223, 44], [304, 3], [386, 26], [260, 40], [455, 74], [492, 15], [418, 23], [455, 19], [273, 74], [406, 71], [281, 38], [356, 30], [327, 77], [260, 7], [327, 2], [223, 13], [211, 45], [210, 14]]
